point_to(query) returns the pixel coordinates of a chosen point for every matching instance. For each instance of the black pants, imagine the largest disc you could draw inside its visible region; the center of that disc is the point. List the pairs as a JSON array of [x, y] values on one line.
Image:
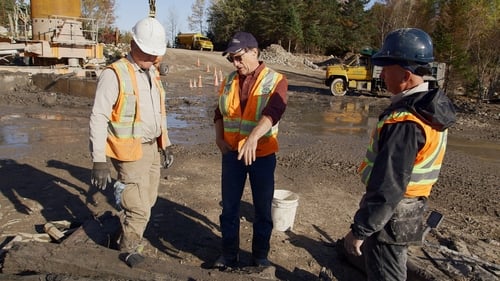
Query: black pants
[[385, 253], [381, 261], [384, 262], [234, 176]]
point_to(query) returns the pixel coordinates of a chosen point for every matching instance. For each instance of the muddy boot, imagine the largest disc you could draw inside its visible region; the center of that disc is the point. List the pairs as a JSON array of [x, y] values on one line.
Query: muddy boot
[[132, 255], [133, 259]]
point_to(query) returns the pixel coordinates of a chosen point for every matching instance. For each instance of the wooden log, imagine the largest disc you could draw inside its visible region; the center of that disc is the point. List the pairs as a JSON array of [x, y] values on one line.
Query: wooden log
[[420, 267], [53, 232], [417, 271], [465, 256], [94, 261], [442, 263]]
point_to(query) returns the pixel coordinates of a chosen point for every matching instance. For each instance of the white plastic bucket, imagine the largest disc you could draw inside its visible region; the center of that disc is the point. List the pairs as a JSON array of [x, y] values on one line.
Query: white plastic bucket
[[283, 209]]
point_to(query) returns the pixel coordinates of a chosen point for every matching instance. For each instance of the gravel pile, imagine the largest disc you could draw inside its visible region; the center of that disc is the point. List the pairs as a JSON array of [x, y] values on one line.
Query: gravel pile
[[114, 52], [275, 54]]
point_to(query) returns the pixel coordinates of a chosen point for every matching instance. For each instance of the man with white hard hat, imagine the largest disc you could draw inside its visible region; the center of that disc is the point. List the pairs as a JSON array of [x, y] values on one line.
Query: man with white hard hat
[[128, 128]]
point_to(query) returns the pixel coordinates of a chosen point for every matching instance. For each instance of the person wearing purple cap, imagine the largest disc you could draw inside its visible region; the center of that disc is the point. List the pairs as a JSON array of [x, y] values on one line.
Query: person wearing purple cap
[[402, 161], [252, 100]]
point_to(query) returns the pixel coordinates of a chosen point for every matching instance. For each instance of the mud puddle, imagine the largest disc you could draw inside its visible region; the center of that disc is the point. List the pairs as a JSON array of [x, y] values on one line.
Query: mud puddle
[[487, 151], [190, 121], [20, 132]]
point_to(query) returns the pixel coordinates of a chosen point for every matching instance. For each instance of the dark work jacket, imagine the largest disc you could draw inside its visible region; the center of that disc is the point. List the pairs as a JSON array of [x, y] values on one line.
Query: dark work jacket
[[399, 144]]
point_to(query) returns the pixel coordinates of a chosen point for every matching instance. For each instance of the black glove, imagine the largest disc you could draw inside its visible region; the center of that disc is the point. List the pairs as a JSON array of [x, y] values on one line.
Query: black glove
[[100, 175], [167, 158]]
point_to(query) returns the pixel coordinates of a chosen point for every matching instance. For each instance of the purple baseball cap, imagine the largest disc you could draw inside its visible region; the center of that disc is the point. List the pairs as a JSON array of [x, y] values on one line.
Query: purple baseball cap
[[240, 41]]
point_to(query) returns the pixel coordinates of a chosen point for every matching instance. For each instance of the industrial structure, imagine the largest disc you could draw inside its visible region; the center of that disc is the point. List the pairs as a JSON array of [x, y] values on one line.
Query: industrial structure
[[59, 36]]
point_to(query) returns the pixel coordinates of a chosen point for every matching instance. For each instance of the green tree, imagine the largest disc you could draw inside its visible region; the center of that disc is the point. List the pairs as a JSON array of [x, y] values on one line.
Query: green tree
[[293, 25], [6, 8], [225, 17], [392, 14], [354, 25], [322, 32], [312, 38], [266, 23], [465, 37], [483, 35]]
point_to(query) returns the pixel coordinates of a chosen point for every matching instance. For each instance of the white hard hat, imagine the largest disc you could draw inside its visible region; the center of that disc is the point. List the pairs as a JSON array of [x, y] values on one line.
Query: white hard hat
[[149, 35]]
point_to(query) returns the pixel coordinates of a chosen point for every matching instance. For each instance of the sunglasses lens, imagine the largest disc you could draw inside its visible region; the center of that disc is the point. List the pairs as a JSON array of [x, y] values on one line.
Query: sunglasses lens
[[238, 58]]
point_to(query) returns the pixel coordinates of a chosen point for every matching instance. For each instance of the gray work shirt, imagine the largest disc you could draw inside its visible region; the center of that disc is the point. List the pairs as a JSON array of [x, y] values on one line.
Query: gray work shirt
[[106, 96]]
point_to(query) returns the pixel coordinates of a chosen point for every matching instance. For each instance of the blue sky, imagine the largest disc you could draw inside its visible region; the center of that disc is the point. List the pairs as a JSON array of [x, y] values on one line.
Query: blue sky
[[128, 12]]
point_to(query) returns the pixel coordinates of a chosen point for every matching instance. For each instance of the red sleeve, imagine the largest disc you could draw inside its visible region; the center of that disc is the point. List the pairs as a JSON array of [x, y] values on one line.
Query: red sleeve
[[217, 114], [277, 103]]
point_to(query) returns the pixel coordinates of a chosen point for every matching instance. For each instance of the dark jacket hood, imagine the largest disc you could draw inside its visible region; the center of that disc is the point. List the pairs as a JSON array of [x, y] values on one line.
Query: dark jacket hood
[[432, 107]]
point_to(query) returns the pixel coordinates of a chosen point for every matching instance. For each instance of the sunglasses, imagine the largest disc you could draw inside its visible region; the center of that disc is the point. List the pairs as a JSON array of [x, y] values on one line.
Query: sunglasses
[[237, 58]]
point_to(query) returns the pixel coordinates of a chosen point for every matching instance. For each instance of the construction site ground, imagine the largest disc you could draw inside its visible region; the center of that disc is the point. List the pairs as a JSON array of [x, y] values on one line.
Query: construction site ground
[[45, 174]]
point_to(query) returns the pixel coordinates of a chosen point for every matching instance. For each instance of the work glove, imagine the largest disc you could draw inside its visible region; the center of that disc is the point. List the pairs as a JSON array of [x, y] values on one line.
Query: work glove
[[167, 158], [100, 175]]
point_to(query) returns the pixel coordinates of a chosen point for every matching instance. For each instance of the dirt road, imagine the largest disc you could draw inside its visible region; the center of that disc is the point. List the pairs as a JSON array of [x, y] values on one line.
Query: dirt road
[[45, 170]]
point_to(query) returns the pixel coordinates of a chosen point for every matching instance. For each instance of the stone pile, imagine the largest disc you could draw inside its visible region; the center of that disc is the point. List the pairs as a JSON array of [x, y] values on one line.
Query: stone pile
[[275, 54]]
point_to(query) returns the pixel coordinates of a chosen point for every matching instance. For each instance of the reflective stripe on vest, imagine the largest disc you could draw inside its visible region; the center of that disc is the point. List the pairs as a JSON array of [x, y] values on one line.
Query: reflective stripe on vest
[[125, 133], [125, 118], [238, 126], [427, 162]]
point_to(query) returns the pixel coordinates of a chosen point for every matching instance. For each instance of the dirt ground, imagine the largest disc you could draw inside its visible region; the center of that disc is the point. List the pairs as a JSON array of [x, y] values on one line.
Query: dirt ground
[[45, 173]]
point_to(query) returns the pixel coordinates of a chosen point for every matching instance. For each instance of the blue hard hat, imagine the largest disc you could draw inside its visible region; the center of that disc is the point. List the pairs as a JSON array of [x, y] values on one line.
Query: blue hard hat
[[405, 47]]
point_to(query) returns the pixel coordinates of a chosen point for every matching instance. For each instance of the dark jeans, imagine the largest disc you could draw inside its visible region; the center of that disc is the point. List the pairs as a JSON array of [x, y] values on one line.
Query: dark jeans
[[234, 175], [385, 262], [385, 253], [380, 261]]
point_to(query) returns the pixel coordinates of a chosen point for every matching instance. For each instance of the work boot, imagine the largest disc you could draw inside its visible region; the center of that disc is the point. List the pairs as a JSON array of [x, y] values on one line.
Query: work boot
[[133, 256], [133, 259], [222, 263]]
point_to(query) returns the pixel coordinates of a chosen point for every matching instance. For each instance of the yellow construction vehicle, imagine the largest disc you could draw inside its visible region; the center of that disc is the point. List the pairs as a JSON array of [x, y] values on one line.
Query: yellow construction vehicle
[[358, 73], [195, 41]]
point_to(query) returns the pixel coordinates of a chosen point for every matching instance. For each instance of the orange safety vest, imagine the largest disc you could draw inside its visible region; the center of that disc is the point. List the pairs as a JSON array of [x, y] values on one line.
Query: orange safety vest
[[237, 124], [124, 140], [427, 163]]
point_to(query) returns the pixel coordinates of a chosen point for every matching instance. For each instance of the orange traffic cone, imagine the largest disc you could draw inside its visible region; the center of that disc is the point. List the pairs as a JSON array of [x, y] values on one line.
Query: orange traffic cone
[[220, 75], [190, 83], [216, 80], [198, 63], [208, 67], [199, 82]]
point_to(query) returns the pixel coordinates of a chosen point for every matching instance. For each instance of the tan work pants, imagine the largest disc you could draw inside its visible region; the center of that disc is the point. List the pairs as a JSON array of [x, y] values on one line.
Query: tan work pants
[[141, 179]]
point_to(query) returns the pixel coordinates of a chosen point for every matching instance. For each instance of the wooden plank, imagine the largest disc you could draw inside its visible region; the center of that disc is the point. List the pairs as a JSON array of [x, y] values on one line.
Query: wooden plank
[[442, 263], [94, 261], [420, 266], [53, 232]]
